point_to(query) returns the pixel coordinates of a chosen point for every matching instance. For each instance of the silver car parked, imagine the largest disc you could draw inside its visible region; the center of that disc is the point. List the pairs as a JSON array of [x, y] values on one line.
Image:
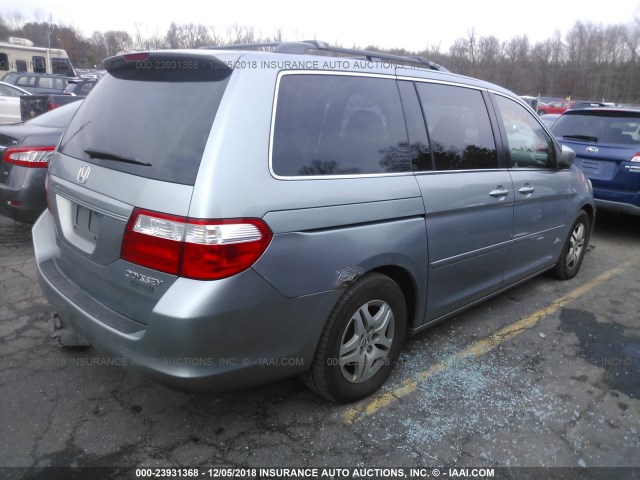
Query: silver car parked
[[228, 217]]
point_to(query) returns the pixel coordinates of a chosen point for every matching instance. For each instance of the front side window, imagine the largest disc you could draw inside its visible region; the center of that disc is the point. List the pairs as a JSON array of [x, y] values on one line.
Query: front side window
[[459, 127], [4, 61], [338, 125], [529, 145]]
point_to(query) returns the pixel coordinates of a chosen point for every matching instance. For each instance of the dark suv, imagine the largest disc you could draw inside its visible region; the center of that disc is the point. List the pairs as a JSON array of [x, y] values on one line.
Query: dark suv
[[38, 82], [607, 145]]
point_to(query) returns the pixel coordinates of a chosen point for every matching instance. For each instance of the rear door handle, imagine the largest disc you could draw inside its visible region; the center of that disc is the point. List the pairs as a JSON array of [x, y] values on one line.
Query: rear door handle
[[526, 190], [500, 191]]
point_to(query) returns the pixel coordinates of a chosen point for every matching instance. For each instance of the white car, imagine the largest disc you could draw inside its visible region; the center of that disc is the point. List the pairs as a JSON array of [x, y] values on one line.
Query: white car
[[10, 103]]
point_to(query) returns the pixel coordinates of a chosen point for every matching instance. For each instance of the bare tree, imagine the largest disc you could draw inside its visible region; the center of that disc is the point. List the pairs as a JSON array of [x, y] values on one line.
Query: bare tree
[[240, 34], [117, 41], [16, 20]]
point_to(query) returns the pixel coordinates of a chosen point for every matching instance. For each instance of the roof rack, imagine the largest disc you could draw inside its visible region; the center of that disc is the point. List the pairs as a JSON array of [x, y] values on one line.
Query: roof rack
[[302, 47]]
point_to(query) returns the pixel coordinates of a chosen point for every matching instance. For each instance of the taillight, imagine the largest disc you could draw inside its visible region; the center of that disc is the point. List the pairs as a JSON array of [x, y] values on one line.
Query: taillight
[[136, 57], [154, 240], [30, 157], [194, 248], [636, 158]]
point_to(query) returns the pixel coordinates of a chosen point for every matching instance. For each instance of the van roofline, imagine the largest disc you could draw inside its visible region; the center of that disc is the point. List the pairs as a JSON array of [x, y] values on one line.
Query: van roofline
[[57, 51], [302, 47]]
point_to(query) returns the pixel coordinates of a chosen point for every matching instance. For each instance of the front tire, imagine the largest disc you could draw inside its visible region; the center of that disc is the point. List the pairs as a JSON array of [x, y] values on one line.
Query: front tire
[[573, 249], [361, 341]]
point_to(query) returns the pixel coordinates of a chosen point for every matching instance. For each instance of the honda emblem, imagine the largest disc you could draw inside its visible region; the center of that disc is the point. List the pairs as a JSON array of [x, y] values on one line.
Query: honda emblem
[[83, 173]]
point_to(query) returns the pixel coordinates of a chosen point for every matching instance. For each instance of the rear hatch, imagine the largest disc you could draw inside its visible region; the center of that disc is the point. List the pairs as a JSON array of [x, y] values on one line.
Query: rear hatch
[[607, 146], [136, 142]]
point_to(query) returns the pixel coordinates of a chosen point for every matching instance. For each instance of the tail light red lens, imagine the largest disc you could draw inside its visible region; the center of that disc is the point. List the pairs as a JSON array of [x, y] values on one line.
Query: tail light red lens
[[154, 240], [136, 57], [30, 157], [194, 248]]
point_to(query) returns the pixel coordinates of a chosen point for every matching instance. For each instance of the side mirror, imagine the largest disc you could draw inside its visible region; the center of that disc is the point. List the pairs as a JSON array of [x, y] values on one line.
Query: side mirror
[[566, 158]]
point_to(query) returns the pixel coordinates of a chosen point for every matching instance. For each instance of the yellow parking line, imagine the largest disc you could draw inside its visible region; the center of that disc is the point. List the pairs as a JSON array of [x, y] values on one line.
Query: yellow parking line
[[359, 412]]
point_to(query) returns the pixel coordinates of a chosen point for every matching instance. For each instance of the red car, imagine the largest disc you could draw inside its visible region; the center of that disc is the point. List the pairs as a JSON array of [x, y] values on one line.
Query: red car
[[557, 106]]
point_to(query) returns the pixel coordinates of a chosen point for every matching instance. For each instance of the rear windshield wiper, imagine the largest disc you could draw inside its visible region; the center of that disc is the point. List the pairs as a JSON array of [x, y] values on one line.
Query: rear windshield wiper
[[581, 137], [112, 156]]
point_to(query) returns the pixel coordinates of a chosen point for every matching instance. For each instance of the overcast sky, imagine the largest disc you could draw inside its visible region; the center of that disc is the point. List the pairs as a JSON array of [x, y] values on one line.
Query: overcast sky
[[413, 25]]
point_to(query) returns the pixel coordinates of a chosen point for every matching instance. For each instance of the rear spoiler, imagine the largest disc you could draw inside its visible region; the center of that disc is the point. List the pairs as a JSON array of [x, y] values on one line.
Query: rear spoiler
[[171, 66]]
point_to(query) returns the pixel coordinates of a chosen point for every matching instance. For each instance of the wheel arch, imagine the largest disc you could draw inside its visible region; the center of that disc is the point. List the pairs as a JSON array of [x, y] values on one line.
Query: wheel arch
[[407, 284], [591, 213]]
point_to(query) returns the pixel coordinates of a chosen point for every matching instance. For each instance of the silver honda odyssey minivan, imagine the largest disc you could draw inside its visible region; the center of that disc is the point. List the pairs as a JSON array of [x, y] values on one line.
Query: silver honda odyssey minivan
[[226, 217]]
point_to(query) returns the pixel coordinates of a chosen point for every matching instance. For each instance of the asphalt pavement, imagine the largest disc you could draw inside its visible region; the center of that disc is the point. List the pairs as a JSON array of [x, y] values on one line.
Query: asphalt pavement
[[544, 375]]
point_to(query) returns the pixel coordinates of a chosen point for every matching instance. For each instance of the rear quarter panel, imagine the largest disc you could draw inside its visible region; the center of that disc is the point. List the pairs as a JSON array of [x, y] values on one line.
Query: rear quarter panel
[[327, 231]]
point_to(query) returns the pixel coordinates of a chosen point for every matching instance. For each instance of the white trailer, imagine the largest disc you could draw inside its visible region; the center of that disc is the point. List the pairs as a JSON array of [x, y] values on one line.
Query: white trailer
[[19, 55]]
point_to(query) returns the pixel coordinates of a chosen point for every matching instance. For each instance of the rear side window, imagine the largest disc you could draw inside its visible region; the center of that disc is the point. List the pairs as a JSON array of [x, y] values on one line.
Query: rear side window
[[51, 82], [150, 118], [4, 61], [339, 125], [459, 127], [21, 66], [529, 145]]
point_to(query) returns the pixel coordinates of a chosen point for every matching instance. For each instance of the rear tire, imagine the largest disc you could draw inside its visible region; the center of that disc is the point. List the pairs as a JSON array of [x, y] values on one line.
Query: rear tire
[[573, 249], [361, 341]]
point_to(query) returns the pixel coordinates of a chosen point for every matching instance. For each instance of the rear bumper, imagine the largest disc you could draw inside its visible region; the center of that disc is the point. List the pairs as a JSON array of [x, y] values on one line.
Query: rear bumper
[[618, 207], [201, 336], [22, 204]]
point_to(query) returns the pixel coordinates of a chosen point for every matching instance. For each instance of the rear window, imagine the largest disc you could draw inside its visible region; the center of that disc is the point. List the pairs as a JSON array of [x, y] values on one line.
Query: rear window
[[150, 117], [604, 126], [339, 125]]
